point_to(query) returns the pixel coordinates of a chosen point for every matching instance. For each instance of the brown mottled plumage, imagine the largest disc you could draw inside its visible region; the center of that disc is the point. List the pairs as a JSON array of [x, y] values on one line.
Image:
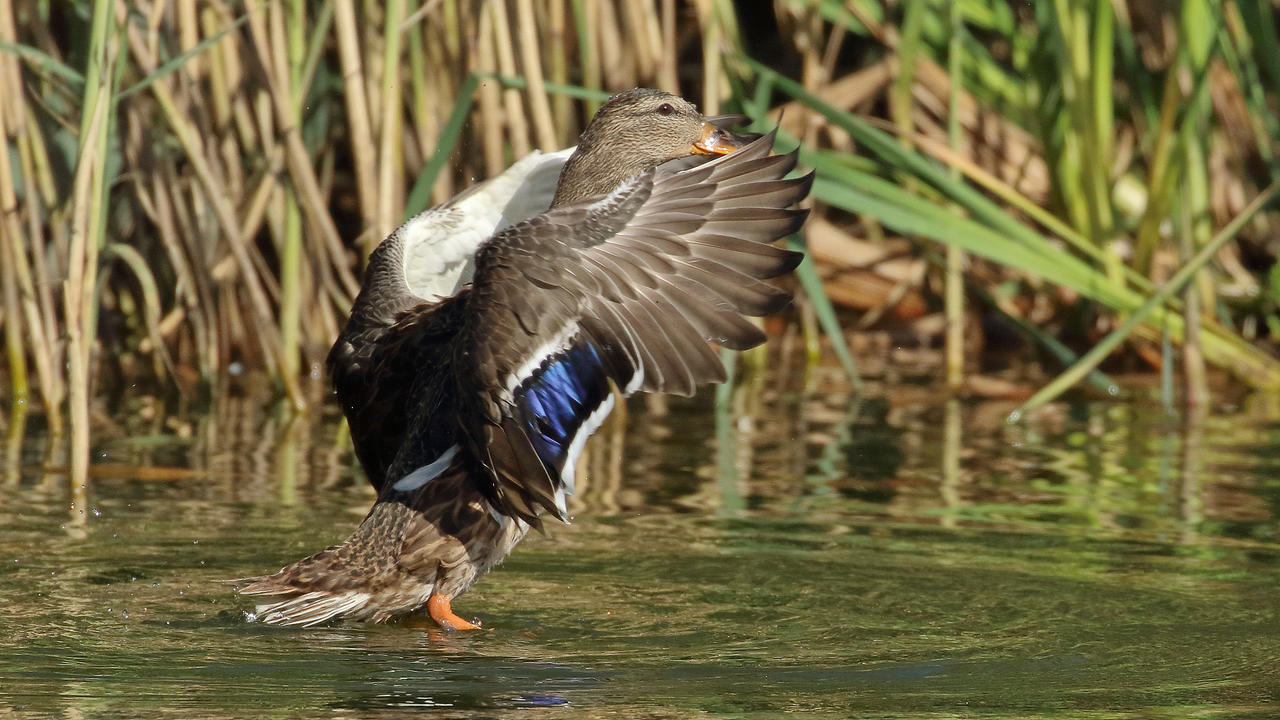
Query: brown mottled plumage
[[468, 410], [438, 539]]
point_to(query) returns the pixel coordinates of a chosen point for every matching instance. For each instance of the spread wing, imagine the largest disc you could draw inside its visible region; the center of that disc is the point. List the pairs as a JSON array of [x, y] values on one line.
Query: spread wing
[[399, 323], [629, 288], [379, 379]]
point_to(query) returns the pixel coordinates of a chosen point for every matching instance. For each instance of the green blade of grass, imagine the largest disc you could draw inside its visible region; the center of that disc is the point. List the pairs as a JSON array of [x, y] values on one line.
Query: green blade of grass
[[574, 91], [864, 192], [45, 64]]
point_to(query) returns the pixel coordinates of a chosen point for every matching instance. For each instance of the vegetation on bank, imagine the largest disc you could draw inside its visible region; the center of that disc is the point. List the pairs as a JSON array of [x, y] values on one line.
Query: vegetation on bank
[[192, 186]]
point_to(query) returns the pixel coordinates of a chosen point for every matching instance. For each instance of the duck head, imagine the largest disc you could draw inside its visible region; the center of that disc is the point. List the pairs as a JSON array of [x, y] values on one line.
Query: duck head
[[632, 132]]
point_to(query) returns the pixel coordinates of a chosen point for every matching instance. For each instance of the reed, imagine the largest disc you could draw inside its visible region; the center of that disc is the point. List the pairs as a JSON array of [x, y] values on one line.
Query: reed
[[196, 189], [954, 291], [79, 290]]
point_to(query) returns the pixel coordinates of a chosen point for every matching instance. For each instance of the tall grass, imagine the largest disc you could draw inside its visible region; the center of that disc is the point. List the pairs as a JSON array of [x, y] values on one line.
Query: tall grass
[[191, 188]]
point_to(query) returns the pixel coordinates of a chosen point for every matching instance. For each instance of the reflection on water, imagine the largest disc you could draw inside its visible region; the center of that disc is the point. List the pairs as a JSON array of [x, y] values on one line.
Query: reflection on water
[[756, 550]]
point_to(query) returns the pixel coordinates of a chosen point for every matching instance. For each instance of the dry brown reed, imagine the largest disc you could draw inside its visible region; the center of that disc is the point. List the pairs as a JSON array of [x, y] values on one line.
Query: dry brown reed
[[193, 193]]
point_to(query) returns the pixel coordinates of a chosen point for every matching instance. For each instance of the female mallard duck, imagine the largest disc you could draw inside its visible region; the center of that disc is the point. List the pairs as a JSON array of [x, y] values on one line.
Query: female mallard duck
[[480, 351]]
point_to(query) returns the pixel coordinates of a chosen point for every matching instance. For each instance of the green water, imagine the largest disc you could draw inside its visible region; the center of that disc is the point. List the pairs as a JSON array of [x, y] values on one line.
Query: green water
[[882, 559]]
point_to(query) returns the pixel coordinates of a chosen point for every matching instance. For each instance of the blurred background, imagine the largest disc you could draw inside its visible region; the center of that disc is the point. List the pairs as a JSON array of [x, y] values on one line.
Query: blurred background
[[193, 186]]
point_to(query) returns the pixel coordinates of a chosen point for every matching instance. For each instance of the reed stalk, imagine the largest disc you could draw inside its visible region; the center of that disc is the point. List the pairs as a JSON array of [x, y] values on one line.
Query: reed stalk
[[11, 250], [357, 108], [10, 244], [557, 37], [513, 104], [490, 98], [12, 317], [531, 63], [29, 328], [712, 34], [80, 288], [1193, 220], [668, 78], [1197, 383], [289, 71], [424, 126], [955, 256], [908, 47], [584, 19], [390, 165]]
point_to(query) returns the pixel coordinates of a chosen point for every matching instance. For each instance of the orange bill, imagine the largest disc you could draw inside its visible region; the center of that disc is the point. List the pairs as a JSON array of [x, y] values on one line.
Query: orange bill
[[716, 141]]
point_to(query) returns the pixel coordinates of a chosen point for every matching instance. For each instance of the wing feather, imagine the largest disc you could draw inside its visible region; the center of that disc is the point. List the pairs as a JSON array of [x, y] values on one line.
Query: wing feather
[[628, 289]]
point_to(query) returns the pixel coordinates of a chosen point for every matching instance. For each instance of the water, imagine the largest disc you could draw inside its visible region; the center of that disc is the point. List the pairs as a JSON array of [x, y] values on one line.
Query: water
[[894, 557]]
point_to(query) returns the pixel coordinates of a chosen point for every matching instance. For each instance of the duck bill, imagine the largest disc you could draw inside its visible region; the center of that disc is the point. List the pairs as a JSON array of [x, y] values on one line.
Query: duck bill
[[717, 141]]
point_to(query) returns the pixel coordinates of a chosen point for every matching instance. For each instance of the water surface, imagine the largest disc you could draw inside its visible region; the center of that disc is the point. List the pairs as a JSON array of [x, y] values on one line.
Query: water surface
[[894, 556]]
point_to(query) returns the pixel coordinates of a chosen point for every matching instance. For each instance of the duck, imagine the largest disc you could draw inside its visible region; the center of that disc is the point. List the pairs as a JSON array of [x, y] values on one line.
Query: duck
[[493, 334]]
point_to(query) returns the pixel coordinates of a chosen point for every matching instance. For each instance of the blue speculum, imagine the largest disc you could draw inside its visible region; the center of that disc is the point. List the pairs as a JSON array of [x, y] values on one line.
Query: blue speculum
[[559, 397]]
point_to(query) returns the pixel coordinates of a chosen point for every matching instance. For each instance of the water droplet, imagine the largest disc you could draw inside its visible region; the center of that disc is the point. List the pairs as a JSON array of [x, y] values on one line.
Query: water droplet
[[96, 511], [195, 542], [1113, 390], [235, 369], [1014, 417]]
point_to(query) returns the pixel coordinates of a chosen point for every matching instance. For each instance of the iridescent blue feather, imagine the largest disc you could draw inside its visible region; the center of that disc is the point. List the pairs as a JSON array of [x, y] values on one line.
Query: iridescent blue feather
[[558, 398]]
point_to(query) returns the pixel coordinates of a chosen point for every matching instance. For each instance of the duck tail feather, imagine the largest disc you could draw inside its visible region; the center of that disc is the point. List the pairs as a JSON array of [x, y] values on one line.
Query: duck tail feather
[[311, 608], [325, 586]]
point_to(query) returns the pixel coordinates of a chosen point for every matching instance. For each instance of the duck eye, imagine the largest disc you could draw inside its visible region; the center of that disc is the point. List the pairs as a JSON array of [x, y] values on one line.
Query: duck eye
[[665, 109]]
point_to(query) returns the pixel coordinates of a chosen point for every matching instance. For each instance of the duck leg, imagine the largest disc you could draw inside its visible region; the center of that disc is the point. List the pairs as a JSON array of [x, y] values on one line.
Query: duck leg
[[439, 607]]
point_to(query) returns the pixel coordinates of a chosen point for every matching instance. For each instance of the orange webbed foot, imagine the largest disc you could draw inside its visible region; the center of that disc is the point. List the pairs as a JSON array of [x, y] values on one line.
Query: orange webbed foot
[[439, 607]]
